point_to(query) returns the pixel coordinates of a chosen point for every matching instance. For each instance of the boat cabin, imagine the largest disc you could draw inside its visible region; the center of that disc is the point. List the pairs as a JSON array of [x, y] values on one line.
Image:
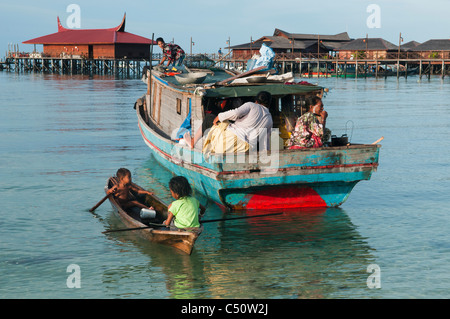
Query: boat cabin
[[189, 106]]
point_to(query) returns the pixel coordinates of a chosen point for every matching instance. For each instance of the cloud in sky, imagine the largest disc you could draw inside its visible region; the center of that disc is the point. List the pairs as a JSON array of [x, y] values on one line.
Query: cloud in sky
[[210, 23]]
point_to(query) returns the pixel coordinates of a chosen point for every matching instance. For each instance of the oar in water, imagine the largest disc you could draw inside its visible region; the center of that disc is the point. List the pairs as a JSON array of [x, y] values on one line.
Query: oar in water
[[99, 203], [202, 222]]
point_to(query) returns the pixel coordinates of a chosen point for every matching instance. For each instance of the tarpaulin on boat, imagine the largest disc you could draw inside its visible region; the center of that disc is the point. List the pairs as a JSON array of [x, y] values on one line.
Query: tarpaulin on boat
[[266, 58], [186, 125], [253, 90]]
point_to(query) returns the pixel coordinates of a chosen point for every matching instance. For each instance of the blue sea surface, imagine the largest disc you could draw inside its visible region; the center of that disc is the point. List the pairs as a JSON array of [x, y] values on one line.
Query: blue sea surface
[[62, 136]]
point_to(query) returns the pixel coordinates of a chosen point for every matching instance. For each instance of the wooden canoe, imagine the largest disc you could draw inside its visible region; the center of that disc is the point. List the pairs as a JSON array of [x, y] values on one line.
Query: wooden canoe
[[179, 239]]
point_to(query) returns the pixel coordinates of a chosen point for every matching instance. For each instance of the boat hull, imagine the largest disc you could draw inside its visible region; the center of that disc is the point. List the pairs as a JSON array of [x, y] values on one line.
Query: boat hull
[[322, 177]]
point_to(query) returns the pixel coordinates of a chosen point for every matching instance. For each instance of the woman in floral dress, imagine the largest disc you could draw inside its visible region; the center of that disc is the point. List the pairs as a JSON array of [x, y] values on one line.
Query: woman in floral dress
[[310, 127]]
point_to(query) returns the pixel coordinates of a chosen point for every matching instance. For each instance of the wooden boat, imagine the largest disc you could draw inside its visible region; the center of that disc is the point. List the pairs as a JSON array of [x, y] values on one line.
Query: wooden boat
[[391, 70], [315, 75], [278, 179], [182, 240]]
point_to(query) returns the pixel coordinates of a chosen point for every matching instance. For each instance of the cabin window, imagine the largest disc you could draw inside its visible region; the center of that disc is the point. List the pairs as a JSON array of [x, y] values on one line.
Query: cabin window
[[188, 103], [178, 106]]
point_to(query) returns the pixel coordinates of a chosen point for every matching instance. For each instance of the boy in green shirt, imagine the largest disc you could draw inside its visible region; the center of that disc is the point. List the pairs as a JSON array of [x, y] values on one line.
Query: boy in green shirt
[[184, 211]]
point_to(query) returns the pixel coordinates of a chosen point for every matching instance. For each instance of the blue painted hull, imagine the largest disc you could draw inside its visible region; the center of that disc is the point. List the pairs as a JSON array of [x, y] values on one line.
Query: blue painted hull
[[321, 177]]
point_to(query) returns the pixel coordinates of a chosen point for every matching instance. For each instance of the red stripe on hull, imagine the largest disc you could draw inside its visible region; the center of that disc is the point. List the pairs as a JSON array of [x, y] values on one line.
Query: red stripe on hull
[[285, 197]]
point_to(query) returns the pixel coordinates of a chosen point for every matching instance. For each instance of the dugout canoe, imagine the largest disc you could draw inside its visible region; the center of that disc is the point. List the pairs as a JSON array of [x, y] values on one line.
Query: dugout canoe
[[179, 239]]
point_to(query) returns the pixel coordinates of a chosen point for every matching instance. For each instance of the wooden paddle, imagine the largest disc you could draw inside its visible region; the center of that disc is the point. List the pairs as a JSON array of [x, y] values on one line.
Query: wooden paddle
[[202, 222], [99, 203]]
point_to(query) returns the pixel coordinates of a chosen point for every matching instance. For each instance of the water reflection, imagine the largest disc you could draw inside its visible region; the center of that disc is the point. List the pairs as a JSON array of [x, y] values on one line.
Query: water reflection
[[305, 254], [312, 254]]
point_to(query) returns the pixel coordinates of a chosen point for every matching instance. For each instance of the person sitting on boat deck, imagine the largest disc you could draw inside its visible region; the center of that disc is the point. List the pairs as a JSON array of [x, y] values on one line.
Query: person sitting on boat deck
[[208, 120], [183, 213], [122, 190], [252, 127], [171, 52], [310, 127]]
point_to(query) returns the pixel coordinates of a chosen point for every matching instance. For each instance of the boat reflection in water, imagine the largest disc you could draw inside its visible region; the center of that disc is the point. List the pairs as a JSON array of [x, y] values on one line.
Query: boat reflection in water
[[308, 253]]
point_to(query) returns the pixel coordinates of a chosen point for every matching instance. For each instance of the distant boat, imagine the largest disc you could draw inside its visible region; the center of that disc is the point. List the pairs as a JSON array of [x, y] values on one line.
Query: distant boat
[[391, 70], [319, 177], [314, 73]]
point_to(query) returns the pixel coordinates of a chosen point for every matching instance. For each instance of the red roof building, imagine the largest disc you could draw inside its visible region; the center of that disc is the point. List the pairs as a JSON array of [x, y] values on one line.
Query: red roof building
[[113, 43]]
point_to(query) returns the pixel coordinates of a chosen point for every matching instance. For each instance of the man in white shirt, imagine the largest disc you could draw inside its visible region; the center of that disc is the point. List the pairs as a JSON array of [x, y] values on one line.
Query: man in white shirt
[[252, 121]]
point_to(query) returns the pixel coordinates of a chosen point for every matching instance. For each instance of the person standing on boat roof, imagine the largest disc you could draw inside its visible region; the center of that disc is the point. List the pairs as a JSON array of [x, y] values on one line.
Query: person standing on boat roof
[[252, 127], [310, 128], [171, 52]]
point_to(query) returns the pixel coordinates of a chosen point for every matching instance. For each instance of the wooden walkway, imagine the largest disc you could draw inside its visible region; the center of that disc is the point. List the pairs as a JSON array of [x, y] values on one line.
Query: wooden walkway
[[124, 68], [355, 68], [303, 66]]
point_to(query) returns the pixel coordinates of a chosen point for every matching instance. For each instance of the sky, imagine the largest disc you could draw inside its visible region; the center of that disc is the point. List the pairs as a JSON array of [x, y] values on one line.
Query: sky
[[211, 23]]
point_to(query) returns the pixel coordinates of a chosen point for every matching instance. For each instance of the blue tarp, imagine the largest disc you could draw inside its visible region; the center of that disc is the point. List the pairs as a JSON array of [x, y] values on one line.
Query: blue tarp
[[186, 125], [266, 58]]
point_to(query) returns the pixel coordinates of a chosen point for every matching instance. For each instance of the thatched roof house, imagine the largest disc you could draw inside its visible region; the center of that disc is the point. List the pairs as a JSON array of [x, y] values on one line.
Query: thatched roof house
[[435, 49], [367, 48], [279, 45], [332, 42], [284, 44]]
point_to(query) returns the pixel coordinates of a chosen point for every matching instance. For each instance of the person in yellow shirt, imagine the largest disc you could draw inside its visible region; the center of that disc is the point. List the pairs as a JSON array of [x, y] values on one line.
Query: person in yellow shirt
[[184, 211]]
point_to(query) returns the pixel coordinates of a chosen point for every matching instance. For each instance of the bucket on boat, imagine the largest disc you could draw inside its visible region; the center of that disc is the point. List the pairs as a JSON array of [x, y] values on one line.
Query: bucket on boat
[[343, 140], [339, 141], [147, 213]]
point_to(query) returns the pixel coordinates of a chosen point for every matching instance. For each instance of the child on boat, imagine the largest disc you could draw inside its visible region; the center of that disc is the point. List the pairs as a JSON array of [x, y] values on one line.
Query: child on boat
[[184, 211], [122, 190]]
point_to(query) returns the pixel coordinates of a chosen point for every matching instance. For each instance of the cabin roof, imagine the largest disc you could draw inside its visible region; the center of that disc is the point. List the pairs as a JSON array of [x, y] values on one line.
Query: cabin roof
[[253, 90], [433, 45], [90, 36], [373, 44]]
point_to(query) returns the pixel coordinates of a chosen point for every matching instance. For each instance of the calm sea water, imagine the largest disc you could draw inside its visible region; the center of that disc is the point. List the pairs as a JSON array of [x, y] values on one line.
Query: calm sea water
[[61, 137]]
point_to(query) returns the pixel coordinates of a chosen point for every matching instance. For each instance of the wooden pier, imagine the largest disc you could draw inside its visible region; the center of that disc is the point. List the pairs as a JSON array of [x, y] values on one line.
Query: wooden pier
[[76, 65], [361, 68], [302, 66]]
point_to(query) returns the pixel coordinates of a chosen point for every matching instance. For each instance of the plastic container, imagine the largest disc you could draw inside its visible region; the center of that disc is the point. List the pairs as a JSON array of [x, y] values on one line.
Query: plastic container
[[147, 213]]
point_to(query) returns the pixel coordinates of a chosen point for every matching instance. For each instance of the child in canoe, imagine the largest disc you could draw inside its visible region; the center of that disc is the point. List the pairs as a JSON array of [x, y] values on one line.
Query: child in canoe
[[122, 190], [184, 211]]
